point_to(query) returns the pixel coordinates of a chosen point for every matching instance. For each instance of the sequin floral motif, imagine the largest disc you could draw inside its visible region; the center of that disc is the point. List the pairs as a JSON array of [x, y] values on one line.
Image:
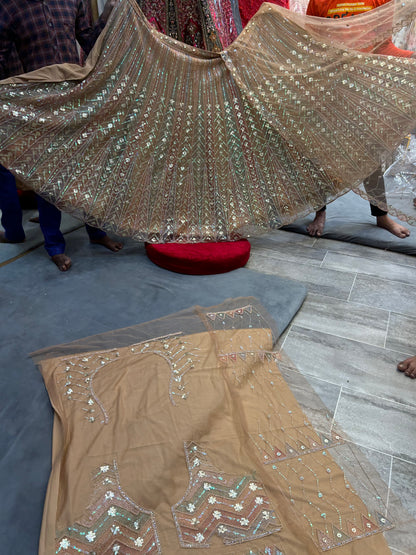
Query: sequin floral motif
[[245, 317], [269, 550], [248, 315], [112, 523], [75, 375], [234, 508], [335, 537], [281, 444]]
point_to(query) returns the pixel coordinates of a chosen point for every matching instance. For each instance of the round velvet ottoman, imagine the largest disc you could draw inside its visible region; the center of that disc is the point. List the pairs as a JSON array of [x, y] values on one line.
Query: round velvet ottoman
[[200, 258]]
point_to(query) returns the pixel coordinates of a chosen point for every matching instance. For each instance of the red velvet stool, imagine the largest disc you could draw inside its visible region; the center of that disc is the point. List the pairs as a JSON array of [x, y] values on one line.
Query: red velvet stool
[[200, 258]]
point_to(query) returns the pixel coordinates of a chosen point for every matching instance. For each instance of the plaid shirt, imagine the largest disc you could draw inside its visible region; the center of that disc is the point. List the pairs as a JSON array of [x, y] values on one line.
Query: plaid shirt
[[43, 32]]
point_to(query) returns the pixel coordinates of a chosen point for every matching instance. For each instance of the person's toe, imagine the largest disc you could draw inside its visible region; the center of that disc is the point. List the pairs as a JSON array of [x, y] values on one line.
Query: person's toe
[[62, 262], [408, 367]]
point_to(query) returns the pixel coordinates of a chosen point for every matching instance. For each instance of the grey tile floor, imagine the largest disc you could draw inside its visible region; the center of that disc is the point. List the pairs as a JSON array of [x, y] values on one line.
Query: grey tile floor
[[357, 322]]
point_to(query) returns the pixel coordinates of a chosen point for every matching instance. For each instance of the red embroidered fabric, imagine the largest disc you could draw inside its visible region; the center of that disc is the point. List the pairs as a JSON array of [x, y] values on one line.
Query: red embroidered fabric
[[249, 7]]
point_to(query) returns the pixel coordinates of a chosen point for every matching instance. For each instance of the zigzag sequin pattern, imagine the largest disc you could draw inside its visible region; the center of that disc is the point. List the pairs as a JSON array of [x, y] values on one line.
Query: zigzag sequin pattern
[[269, 550], [234, 508], [112, 522], [75, 375]]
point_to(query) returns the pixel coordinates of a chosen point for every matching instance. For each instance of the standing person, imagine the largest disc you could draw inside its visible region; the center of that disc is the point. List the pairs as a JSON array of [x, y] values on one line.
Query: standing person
[[337, 9], [43, 33]]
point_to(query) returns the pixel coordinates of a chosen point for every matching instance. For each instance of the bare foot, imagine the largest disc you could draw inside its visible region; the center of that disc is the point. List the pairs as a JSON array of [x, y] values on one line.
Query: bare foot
[[108, 243], [390, 225], [3, 239], [408, 366], [316, 228], [62, 261]]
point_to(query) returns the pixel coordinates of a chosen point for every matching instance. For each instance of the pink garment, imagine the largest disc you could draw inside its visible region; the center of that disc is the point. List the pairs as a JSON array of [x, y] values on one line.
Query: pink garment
[[249, 7]]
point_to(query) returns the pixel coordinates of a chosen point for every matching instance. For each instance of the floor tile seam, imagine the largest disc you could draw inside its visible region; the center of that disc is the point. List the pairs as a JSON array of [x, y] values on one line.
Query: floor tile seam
[[352, 287], [387, 329], [387, 280], [403, 460], [391, 401], [348, 387], [303, 261], [375, 258], [347, 440], [370, 275], [281, 247], [286, 336], [311, 293], [393, 312], [389, 487], [346, 301], [363, 304], [333, 422], [398, 550], [379, 257], [18, 256], [337, 335], [323, 260]]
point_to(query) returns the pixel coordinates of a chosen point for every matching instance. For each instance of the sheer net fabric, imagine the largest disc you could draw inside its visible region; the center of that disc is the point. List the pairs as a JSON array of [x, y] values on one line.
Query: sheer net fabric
[[161, 141], [183, 433]]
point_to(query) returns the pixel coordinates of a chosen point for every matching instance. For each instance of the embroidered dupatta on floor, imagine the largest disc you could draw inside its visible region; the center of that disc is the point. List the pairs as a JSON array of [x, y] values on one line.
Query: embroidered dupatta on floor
[[161, 141], [182, 433]]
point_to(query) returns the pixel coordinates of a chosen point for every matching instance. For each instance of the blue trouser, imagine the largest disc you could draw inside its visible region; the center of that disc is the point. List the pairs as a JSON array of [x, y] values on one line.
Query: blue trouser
[[49, 217], [11, 212], [50, 221]]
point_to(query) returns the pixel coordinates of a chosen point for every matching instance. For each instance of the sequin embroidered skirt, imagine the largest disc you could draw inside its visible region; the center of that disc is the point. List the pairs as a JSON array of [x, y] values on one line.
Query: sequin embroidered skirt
[[160, 141]]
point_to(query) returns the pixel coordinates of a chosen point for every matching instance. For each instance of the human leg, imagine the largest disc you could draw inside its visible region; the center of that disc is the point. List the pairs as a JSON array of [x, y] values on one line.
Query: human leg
[[50, 221], [316, 228], [11, 218], [375, 188], [100, 237]]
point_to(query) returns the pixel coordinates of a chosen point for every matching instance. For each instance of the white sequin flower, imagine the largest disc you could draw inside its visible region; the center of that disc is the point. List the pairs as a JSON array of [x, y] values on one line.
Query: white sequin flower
[[207, 486], [136, 524], [201, 473], [116, 548], [105, 468], [190, 507], [232, 493], [244, 522], [109, 495], [138, 542], [64, 543], [266, 515], [253, 486], [197, 462], [91, 536], [216, 514], [212, 500], [222, 529], [115, 529], [238, 507], [199, 538], [112, 511], [259, 501]]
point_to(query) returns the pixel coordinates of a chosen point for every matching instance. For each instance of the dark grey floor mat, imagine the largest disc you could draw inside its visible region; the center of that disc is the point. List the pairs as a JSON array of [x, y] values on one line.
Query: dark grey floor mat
[[41, 306], [348, 219]]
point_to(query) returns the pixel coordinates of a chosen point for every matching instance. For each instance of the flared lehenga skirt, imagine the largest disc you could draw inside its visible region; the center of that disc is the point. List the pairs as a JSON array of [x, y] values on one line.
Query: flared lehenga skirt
[[161, 141]]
